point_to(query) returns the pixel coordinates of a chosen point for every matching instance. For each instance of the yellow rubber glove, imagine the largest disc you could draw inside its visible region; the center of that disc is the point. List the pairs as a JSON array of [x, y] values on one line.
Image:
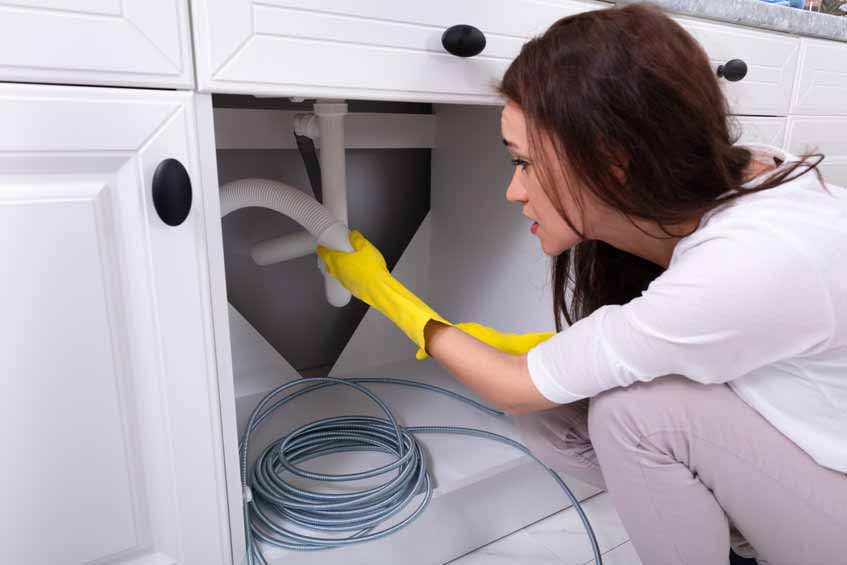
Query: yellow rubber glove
[[363, 272], [516, 344]]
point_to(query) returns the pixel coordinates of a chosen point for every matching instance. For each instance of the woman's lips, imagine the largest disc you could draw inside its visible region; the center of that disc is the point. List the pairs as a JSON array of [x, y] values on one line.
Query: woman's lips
[[534, 228]]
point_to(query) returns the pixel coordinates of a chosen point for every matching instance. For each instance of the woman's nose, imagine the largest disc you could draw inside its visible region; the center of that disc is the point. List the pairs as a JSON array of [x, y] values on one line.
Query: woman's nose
[[516, 192]]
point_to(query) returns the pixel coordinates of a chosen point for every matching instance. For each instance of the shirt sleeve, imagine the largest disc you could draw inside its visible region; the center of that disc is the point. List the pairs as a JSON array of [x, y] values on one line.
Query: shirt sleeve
[[725, 307]]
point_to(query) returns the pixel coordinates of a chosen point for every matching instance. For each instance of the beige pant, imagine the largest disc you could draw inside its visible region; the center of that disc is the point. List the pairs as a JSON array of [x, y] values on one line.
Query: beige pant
[[686, 463]]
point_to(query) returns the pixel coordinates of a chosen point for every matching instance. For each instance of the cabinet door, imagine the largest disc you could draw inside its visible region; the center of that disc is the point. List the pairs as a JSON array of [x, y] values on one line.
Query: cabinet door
[[381, 49], [109, 416], [100, 42], [822, 135]]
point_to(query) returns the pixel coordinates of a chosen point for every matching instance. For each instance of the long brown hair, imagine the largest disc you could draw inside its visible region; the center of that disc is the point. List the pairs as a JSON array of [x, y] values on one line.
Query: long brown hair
[[627, 88]]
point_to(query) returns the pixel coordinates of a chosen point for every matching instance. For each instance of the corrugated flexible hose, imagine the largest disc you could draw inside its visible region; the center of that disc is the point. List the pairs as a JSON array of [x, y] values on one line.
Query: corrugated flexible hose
[[278, 196], [300, 207]]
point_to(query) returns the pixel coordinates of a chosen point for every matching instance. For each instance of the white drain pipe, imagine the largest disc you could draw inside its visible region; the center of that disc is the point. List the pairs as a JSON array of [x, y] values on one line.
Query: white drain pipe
[[283, 248], [330, 116], [327, 123]]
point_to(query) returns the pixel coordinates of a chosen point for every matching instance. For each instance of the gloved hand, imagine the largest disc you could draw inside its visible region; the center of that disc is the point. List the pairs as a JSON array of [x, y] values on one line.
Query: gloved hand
[[364, 273], [516, 344]]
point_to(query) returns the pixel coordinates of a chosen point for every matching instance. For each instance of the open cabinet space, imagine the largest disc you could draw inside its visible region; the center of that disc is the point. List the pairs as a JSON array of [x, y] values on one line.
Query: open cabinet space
[[482, 490]]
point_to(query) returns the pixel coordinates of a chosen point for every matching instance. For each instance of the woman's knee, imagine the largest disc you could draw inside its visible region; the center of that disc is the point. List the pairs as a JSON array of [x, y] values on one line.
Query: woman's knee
[[563, 428], [623, 416], [559, 438]]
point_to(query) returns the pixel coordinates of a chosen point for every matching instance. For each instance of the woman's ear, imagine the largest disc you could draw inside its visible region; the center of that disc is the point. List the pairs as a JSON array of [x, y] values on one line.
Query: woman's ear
[[619, 165], [620, 173]]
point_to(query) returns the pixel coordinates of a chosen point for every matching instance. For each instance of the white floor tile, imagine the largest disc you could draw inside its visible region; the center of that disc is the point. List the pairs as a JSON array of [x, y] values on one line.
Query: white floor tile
[[624, 554], [517, 548], [564, 534]]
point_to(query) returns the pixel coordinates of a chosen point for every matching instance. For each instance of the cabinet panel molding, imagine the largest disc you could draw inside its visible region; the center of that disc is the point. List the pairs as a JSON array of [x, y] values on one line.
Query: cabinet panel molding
[[823, 135], [822, 79]]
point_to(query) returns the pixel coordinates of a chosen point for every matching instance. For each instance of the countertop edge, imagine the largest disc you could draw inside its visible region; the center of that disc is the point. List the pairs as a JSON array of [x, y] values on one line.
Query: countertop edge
[[754, 13]]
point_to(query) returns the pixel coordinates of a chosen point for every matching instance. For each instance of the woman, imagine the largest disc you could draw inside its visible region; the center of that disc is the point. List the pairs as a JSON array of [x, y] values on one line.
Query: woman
[[703, 378]]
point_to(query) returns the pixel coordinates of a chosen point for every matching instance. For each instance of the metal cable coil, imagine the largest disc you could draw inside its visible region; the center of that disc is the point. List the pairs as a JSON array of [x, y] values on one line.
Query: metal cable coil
[[271, 500]]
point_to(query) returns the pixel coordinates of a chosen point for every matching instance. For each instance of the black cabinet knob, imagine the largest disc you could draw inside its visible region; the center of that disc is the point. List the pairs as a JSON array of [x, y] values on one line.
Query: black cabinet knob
[[733, 70], [463, 40], [171, 192]]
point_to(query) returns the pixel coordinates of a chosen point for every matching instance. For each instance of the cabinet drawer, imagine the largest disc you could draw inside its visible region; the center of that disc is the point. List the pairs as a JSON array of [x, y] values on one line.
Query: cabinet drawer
[[822, 79], [825, 135], [97, 42], [754, 129], [377, 49], [771, 64]]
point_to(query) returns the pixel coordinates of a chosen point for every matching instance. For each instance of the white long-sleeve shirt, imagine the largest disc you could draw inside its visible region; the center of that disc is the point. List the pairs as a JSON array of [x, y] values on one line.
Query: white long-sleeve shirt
[[756, 297]]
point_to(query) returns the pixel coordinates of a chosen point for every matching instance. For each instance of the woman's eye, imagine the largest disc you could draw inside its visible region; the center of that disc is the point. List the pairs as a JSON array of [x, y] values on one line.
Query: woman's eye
[[520, 163]]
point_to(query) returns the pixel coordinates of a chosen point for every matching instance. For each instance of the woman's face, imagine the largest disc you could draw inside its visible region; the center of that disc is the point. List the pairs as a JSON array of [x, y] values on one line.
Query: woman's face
[[551, 229]]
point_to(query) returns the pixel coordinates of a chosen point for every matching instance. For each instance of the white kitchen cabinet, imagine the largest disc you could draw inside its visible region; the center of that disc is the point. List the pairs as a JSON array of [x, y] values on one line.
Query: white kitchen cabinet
[[821, 79], [388, 50], [127, 373], [97, 42], [109, 412], [754, 129], [378, 49], [771, 60], [825, 135]]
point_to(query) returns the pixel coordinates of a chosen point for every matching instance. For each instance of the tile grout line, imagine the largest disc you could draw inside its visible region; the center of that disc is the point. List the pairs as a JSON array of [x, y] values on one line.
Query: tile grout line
[[571, 510], [540, 544], [608, 551], [481, 550]]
